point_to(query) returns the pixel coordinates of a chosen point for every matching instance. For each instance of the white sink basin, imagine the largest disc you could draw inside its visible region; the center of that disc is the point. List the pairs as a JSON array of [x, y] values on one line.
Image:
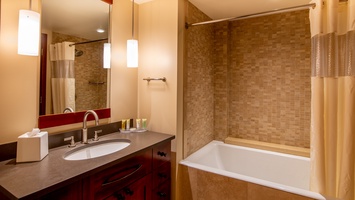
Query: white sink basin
[[97, 149]]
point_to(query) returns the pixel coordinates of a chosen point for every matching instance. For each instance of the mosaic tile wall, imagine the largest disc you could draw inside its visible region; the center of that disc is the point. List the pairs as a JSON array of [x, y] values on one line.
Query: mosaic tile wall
[[198, 83], [261, 79], [88, 67], [269, 82], [221, 77]]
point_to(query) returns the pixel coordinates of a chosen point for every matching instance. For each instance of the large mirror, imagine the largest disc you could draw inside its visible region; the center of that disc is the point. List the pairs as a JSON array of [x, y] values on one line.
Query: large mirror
[[72, 75]]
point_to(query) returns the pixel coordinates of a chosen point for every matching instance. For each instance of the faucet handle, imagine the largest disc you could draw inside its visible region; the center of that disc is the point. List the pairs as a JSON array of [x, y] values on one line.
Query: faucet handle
[[96, 138], [72, 142]]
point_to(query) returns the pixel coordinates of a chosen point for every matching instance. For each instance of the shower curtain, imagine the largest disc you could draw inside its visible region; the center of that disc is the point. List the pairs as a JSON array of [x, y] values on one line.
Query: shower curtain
[[333, 98], [63, 81]]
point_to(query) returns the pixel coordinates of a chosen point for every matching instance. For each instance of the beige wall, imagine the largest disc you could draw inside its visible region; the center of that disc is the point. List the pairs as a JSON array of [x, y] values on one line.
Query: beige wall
[[158, 33], [18, 76], [123, 80]]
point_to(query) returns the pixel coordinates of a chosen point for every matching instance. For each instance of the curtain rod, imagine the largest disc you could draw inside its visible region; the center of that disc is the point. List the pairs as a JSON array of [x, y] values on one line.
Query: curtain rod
[[294, 8], [88, 42]]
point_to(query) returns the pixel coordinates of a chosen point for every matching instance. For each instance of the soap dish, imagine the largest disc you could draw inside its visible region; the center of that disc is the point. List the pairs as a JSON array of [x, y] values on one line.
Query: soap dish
[[133, 130], [125, 131], [140, 130]]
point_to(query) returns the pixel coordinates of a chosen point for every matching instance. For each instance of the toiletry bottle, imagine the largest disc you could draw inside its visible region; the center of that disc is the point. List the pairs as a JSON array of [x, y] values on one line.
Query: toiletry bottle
[[123, 126], [128, 124], [138, 124], [144, 123]]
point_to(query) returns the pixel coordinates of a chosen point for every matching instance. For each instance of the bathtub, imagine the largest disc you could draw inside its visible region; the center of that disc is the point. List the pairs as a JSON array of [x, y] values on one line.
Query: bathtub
[[279, 171]]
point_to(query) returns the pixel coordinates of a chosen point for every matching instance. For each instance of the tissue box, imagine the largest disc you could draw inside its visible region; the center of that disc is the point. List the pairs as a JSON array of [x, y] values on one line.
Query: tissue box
[[32, 148]]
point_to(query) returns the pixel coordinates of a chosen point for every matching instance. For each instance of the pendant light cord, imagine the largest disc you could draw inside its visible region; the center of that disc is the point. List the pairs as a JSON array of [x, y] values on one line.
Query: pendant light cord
[[30, 4], [132, 19]]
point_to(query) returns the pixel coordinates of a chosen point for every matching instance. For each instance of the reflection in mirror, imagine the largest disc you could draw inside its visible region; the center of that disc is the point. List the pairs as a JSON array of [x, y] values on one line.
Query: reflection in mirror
[[72, 73]]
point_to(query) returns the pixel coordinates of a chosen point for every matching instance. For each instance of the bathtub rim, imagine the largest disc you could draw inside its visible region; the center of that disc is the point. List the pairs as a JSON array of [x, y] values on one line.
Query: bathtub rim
[[290, 189]]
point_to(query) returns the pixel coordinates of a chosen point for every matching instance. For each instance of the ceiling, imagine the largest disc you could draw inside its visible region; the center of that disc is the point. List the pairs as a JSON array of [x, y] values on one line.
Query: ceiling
[[233, 8], [79, 18]]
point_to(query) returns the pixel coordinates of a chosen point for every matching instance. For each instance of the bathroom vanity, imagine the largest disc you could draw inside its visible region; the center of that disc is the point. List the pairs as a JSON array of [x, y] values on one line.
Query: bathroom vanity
[[139, 171]]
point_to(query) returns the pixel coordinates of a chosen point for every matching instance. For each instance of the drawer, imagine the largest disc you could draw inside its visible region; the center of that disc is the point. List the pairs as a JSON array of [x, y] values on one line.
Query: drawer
[[138, 190], [161, 174], [162, 192], [161, 154], [124, 173]]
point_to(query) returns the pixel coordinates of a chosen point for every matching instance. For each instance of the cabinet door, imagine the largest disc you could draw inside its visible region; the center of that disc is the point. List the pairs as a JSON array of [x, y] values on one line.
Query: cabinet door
[[161, 175], [72, 191], [139, 190]]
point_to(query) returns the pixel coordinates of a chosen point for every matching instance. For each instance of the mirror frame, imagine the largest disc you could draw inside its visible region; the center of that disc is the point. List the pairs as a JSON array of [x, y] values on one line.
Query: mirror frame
[[47, 121]]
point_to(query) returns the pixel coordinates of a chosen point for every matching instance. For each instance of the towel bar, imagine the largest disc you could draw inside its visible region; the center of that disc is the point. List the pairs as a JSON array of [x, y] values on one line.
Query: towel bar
[[155, 79]]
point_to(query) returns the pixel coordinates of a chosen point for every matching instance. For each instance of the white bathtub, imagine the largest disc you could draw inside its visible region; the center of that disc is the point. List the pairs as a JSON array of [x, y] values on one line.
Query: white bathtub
[[275, 170]]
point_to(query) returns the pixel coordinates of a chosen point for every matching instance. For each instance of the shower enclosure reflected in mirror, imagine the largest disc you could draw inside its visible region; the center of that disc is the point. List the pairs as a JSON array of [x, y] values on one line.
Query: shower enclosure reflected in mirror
[[72, 73]]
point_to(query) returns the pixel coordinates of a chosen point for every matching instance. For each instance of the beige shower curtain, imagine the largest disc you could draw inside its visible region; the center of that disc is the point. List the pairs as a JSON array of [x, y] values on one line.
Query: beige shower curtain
[[333, 99], [63, 81]]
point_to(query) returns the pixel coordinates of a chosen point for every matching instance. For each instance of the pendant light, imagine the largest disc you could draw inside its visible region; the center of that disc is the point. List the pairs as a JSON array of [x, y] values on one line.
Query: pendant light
[[132, 46], [107, 46], [28, 32]]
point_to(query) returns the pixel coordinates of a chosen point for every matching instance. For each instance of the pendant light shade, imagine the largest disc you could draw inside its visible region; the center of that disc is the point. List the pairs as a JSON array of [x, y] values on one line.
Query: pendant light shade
[[28, 33], [132, 46], [132, 53], [107, 55]]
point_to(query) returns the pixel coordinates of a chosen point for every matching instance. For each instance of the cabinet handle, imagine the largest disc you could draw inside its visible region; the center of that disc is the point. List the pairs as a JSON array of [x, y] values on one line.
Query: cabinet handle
[[162, 154], [119, 196], [110, 181], [128, 191], [162, 175], [161, 194]]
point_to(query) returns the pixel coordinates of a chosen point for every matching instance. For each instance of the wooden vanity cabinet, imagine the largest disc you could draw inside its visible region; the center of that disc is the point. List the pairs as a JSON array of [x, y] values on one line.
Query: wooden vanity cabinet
[[143, 177]]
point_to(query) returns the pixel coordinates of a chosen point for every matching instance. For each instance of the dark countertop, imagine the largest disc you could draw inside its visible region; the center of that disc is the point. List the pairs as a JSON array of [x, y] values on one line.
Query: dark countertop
[[34, 179]]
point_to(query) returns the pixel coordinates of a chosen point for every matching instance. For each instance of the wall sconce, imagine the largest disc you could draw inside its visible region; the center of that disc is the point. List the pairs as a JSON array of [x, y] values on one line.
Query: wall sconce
[[132, 46], [107, 55], [28, 32]]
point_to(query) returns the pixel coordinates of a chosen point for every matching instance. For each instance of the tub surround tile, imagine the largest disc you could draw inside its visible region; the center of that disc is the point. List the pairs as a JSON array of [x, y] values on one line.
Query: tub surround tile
[[270, 79], [259, 87], [201, 185], [220, 75], [198, 83], [298, 151], [258, 192], [209, 186]]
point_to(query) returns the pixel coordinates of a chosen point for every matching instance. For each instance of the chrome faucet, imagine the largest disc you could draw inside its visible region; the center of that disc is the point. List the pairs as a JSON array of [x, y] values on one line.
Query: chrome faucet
[[84, 135], [68, 109]]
